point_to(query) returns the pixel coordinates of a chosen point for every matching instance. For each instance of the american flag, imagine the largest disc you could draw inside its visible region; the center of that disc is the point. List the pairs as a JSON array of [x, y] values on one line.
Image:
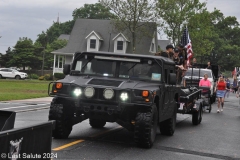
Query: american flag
[[186, 41]]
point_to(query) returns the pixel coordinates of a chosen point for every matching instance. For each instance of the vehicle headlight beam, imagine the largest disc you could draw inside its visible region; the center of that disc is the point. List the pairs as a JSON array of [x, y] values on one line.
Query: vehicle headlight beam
[[124, 96]]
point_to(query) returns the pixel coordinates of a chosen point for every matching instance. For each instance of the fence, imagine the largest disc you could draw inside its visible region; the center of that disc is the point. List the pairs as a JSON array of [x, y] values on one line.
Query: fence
[[38, 72]]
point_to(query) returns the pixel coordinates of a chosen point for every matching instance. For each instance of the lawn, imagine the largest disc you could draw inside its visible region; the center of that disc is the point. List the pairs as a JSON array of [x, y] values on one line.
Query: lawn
[[22, 89]]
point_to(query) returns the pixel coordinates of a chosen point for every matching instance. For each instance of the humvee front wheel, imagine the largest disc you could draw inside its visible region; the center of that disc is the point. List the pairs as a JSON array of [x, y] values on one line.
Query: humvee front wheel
[[167, 127], [97, 123], [197, 116], [146, 127], [63, 118]]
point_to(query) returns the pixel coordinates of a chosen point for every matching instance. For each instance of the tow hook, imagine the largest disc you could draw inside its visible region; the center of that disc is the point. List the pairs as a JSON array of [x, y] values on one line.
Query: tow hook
[[86, 109], [110, 111]]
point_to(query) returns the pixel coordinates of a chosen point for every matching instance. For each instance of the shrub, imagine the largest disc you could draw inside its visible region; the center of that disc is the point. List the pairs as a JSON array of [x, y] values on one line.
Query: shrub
[[59, 75], [51, 77], [33, 76], [47, 77], [41, 78]]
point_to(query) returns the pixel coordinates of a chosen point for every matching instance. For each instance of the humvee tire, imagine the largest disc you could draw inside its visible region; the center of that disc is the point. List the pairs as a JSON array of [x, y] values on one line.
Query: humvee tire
[[168, 126], [97, 123], [197, 116], [63, 119], [146, 127]]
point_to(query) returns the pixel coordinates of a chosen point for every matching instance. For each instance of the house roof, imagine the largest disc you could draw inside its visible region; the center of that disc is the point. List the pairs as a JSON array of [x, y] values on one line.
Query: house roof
[[163, 43], [120, 34], [83, 27], [97, 34]]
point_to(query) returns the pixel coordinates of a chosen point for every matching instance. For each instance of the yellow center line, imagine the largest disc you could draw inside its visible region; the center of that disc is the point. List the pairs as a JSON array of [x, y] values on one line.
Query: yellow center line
[[81, 140], [68, 145]]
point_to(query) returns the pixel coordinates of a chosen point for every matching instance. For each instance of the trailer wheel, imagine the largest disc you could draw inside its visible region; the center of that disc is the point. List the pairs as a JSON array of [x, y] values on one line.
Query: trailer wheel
[[167, 127], [146, 127], [197, 115], [62, 117], [97, 123]]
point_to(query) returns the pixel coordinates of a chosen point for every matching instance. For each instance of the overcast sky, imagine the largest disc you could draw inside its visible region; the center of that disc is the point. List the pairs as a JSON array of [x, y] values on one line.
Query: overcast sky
[[28, 18]]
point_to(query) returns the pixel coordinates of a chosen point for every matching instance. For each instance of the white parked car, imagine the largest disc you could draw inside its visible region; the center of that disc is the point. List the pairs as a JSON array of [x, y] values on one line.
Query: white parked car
[[12, 73]]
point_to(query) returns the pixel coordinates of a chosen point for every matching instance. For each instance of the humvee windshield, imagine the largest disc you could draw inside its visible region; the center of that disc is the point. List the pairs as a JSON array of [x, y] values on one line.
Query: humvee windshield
[[119, 67], [195, 72]]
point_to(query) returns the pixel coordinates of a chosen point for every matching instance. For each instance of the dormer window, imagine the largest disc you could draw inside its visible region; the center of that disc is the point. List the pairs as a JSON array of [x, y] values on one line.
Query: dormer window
[[120, 43], [94, 41]]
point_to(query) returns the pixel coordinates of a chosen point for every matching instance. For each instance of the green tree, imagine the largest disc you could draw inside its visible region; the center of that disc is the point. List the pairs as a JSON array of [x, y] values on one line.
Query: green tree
[[227, 48], [129, 15], [6, 57], [202, 34], [23, 54], [93, 11], [174, 15]]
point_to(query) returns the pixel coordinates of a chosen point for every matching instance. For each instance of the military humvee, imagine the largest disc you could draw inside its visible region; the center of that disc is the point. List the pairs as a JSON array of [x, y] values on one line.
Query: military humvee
[[136, 91]]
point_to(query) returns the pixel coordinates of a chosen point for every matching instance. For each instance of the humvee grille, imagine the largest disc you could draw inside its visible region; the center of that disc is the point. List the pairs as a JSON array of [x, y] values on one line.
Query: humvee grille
[[104, 82]]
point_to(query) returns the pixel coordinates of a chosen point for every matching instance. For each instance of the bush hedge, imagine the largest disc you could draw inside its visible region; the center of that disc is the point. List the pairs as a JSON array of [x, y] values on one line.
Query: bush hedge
[[59, 75], [33, 76]]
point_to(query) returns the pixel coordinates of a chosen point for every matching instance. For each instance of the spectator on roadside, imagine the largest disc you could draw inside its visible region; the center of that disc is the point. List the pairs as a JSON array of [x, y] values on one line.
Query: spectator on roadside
[[220, 89], [235, 84], [228, 83], [238, 89]]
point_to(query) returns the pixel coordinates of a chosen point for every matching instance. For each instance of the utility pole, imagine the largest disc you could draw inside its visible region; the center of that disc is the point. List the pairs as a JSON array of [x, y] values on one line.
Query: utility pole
[[43, 60]]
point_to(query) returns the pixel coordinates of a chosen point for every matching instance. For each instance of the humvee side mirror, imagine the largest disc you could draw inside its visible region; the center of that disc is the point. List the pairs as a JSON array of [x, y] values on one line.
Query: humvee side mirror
[[66, 69], [172, 78]]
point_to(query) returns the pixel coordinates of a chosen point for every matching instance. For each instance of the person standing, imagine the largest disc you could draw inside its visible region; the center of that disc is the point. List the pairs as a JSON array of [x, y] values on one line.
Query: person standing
[[220, 89], [228, 82], [235, 84], [182, 55], [169, 51], [209, 65], [179, 65]]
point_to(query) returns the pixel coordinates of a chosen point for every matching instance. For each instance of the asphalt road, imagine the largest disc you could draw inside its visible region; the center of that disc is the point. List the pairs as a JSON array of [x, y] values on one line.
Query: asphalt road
[[217, 137]]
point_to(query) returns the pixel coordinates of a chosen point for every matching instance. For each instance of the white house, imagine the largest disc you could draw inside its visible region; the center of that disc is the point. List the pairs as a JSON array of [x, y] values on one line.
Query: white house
[[101, 35]]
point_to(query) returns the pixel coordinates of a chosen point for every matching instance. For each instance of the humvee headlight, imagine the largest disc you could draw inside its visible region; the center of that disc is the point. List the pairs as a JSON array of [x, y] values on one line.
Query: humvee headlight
[[58, 85], [89, 92], [124, 96], [145, 93], [108, 93], [77, 91]]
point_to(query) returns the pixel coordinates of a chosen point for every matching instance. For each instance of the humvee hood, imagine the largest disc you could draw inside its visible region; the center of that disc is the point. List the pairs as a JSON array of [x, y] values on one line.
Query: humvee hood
[[108, 82]]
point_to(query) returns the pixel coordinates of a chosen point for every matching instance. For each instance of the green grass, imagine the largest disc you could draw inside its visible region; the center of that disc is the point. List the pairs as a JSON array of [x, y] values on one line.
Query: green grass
[[22, 89]]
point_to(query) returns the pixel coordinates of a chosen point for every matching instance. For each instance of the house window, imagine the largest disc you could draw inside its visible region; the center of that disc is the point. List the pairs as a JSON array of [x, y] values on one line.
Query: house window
[[93, 43], [119, 45], [152, 47]]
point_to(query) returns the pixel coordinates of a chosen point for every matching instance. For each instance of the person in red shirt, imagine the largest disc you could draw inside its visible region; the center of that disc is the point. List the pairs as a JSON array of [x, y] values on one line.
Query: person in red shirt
[[221, 89]]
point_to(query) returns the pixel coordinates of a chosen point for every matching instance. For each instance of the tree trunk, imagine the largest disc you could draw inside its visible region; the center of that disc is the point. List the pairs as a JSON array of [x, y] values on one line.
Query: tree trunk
[[133, 42]]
